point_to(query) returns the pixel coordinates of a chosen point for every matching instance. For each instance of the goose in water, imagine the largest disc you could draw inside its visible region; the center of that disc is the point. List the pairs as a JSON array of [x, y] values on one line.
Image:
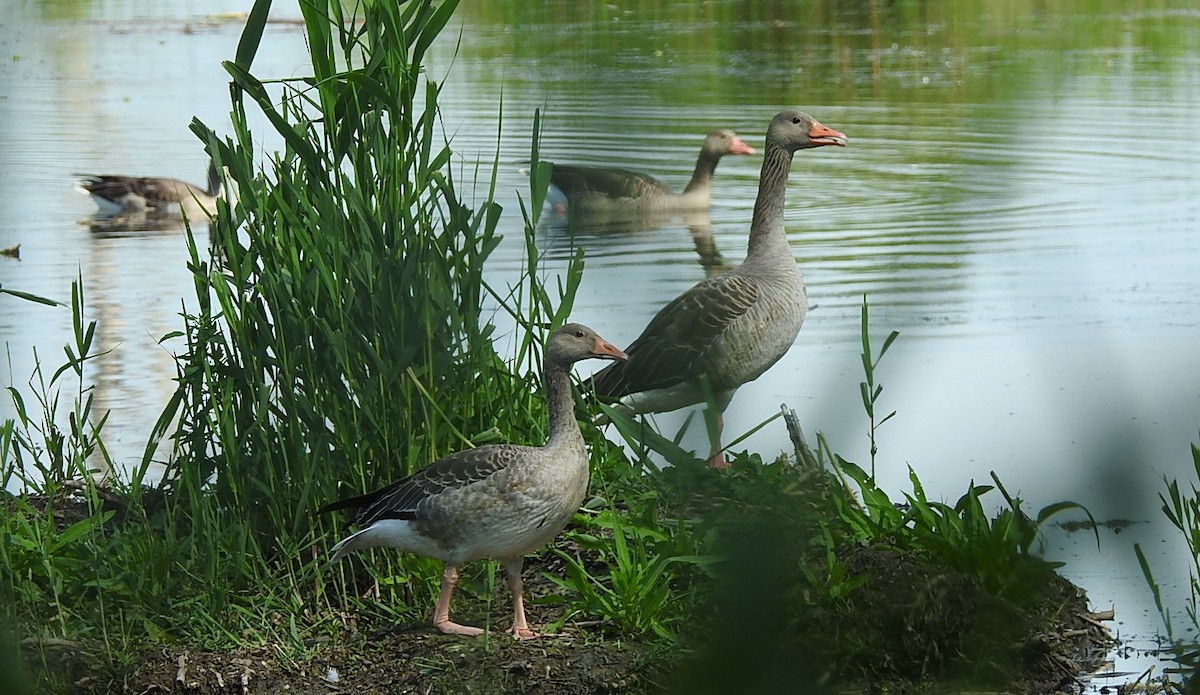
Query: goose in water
[[730, 328], [128, 195], [595, 191]]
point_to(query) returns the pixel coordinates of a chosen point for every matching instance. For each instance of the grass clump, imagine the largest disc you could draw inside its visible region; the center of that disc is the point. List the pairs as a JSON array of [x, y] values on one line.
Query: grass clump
[[339, 341], [1182, 509]]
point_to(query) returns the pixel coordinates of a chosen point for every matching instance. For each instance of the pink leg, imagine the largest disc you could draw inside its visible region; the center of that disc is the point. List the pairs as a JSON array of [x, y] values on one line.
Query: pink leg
[[441, 612], [717, 459], [520, 628]]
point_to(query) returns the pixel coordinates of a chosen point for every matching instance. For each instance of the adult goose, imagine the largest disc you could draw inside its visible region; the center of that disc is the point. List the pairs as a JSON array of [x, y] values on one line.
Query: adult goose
[[611, 191], [497, 501], [730, 328], [116, 194]]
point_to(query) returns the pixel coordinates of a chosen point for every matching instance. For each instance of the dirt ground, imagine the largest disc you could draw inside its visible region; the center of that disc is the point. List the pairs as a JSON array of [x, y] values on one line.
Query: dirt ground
[[415, 660], [1061, 641]]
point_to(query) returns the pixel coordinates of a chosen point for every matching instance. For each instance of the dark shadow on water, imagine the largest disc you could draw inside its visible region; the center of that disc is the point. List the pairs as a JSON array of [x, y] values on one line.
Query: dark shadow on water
[[137, 224]]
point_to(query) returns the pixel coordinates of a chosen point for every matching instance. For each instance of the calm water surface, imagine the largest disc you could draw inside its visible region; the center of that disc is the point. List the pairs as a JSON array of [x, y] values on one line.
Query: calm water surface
[[1019, 199]]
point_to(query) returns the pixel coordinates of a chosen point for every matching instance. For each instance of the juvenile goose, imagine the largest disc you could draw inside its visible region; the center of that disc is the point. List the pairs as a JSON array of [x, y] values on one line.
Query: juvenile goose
[[498, 501], [131, 194], [730, 328], [608, 190]]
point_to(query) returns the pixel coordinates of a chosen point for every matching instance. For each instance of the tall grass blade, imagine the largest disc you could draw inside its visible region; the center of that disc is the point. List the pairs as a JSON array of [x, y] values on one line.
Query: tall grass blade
[[252, 33]]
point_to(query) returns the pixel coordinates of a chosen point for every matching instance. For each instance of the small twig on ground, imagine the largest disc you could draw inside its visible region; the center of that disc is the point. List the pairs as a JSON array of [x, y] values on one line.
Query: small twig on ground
[[804, 455], [1067, 666]]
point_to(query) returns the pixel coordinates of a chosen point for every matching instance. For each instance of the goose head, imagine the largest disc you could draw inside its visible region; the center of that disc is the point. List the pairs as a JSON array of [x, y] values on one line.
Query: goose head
[[574, 342], [796, 130], [724, 141]]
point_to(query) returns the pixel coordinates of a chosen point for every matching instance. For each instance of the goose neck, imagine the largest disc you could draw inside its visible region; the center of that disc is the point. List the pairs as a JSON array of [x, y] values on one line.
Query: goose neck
[[563, 425], [706, 166], [767, 234]]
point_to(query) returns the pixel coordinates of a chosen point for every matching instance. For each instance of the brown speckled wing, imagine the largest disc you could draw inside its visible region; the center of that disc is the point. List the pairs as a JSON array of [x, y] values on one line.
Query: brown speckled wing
[[674, 345], [400, 500], [151, 189], [608, 181], [166, 190]]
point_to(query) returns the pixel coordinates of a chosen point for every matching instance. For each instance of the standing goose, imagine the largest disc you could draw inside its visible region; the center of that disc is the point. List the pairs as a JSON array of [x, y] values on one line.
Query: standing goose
[[730, 328], [497, 501], [611, 191], [116, 194]]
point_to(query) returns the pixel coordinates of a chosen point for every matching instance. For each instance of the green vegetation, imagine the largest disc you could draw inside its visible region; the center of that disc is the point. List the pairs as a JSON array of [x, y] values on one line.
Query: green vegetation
[[339, 342], [1183, 511]]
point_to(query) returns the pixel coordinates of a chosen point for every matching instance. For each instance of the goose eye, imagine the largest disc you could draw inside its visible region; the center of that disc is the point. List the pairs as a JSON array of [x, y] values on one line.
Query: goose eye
[[578, 333], [796, 119]]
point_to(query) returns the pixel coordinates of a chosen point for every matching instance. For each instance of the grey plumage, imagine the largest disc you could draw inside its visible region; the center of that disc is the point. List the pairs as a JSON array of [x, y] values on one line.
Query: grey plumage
[[730, 328], [500, 501], [599, 190]]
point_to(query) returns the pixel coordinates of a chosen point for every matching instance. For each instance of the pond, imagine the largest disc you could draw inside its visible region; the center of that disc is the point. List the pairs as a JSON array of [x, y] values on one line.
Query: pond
[[1019, 199]]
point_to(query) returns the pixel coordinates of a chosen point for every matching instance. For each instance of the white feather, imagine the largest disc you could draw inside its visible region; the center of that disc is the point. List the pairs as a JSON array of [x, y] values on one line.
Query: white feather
[[388, 533]]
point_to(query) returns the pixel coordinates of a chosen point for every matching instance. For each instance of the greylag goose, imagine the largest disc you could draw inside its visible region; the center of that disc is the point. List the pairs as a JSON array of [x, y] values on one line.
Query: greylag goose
[[497, 501], [150, 195], [730, 328], [611, 191]]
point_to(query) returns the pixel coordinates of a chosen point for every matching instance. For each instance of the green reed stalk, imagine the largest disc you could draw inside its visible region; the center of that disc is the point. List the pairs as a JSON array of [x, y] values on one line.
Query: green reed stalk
[[342, 293], [1182, 509], [868, 389]]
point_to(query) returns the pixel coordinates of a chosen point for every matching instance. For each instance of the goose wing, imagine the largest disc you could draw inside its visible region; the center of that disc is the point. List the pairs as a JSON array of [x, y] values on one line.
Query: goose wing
[[401, 499], [607, 181], [675, 344], [153, 190]]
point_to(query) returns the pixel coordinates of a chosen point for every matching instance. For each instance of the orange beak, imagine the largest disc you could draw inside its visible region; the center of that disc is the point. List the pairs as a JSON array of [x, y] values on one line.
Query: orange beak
[[739, 147], [824, 135], [607, 350]]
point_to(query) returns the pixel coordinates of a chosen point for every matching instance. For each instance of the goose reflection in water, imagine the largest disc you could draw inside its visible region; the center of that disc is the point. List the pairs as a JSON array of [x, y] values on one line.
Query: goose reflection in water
[[138, 224], [601, 234]]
